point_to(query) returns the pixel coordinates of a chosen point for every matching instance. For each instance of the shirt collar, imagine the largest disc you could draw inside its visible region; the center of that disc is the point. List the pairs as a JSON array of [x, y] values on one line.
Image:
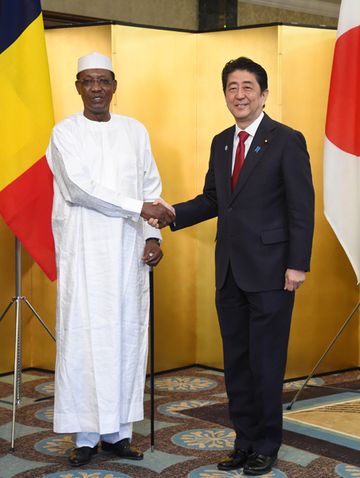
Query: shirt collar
[[251, 129]]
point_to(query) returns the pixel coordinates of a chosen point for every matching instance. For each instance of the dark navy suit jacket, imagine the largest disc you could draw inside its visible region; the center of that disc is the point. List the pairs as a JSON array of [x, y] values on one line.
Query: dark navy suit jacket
[[266, 224]]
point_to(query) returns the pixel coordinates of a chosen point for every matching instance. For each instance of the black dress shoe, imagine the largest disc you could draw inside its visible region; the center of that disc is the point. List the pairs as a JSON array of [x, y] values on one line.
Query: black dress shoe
[[258, 464], [123, 449], [82, 455], [236, 459]]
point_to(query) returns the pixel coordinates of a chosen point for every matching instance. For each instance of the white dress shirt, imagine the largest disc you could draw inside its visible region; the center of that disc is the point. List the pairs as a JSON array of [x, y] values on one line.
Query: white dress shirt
[[251, 129]]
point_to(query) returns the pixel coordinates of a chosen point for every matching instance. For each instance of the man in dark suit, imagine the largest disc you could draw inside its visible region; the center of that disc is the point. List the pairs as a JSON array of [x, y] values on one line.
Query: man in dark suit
[[263, 248]]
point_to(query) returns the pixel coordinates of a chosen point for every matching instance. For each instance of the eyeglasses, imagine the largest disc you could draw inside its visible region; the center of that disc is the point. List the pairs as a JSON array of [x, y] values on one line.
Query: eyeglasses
[[91, 82]]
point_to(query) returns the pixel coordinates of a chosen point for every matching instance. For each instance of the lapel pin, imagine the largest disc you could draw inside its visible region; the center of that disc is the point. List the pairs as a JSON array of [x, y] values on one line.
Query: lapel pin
[[257, 149], [265, 140], [226, 147]]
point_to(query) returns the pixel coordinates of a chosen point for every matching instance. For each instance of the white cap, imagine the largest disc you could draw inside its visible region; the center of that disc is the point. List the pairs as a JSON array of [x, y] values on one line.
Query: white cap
[[94, 60]]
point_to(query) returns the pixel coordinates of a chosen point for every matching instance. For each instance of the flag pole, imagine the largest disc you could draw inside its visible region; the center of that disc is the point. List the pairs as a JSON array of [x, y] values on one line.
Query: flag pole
[[18, 341], [17, 300]]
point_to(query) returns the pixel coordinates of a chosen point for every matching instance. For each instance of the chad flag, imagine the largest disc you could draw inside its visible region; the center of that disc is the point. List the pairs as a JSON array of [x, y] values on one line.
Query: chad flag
[[26, 189]]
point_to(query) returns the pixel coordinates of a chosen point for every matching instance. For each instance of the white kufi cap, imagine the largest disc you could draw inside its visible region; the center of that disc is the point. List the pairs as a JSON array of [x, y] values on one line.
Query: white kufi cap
[[94, 60]]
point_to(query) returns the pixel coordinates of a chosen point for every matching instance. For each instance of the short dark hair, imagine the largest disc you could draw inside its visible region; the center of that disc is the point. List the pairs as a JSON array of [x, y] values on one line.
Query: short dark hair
[[111, 72], [243, 63]]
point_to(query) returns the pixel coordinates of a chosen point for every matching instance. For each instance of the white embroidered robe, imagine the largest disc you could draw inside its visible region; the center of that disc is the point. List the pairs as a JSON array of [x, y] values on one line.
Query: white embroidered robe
[[103, 171]]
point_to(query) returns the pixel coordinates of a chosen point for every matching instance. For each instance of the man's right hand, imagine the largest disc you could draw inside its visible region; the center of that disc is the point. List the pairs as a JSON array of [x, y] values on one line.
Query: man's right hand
[[159, 212]]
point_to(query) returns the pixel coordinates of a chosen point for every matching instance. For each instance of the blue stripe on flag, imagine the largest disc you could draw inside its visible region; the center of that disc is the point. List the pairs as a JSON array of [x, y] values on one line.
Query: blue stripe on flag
[[15, 17]]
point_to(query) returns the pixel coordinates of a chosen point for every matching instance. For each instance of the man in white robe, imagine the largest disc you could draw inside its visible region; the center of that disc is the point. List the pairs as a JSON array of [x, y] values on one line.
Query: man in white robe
[[105, 181]]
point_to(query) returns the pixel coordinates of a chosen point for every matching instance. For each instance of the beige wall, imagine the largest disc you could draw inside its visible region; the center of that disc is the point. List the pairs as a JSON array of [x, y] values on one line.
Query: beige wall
[[252, 14], [181, 14], [171, 82]]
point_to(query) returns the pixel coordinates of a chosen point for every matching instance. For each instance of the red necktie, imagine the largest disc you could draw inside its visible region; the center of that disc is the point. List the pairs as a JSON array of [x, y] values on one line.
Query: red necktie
[[239, 158]]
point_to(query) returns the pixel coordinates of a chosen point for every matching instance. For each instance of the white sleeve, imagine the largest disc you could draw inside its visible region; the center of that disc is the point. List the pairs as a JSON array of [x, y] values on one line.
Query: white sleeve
[[150, 231], [152, 187], [79, 189], [152, 182]]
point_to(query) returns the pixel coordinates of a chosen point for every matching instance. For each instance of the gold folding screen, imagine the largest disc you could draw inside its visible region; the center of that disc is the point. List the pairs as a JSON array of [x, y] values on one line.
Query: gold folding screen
[[171, 82]]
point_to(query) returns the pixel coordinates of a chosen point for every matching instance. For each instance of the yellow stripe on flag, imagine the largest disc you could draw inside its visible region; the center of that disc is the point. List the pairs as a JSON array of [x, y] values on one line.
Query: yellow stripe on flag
[[26, 103]]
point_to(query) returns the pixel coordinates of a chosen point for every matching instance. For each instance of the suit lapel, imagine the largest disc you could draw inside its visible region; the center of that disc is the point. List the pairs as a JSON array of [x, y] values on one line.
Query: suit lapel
[[227, 145], [259, 145]]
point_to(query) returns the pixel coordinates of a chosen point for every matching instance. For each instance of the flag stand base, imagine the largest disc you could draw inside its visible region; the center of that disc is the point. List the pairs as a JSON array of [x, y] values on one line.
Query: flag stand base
[[330, 346], [18, 300]]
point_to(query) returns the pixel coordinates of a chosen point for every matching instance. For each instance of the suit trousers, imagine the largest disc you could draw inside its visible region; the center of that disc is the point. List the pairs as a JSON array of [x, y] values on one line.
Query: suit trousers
[[255, 330]]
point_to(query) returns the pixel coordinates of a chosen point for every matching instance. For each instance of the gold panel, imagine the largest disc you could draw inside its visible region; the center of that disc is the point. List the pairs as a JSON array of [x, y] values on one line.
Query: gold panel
[[330, 291], [156, 85], [171, 81]]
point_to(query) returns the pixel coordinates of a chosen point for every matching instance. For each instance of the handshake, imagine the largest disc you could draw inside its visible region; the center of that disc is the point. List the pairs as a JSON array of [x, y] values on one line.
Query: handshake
[[158, 213]]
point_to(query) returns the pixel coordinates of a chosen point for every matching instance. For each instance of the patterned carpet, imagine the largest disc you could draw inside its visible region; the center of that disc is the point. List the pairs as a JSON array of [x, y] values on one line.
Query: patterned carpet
[[321, 432]]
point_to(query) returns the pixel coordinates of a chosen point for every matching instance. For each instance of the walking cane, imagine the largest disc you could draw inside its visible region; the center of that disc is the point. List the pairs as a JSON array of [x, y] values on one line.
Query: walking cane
[[152, 363]]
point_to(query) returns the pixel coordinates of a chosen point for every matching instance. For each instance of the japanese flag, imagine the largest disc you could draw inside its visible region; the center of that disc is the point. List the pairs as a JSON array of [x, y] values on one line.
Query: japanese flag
[[342, 142]]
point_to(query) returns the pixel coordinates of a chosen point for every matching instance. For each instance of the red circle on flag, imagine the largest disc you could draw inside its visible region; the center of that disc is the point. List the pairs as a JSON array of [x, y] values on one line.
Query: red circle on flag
[[343, 115]]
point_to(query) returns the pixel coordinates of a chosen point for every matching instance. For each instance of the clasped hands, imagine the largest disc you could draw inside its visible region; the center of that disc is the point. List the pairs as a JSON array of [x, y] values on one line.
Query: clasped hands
[[158, 213]]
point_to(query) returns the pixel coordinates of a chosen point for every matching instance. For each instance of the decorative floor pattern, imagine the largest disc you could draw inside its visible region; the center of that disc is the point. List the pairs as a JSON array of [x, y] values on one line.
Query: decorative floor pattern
[[321, 433], [341, 417]]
